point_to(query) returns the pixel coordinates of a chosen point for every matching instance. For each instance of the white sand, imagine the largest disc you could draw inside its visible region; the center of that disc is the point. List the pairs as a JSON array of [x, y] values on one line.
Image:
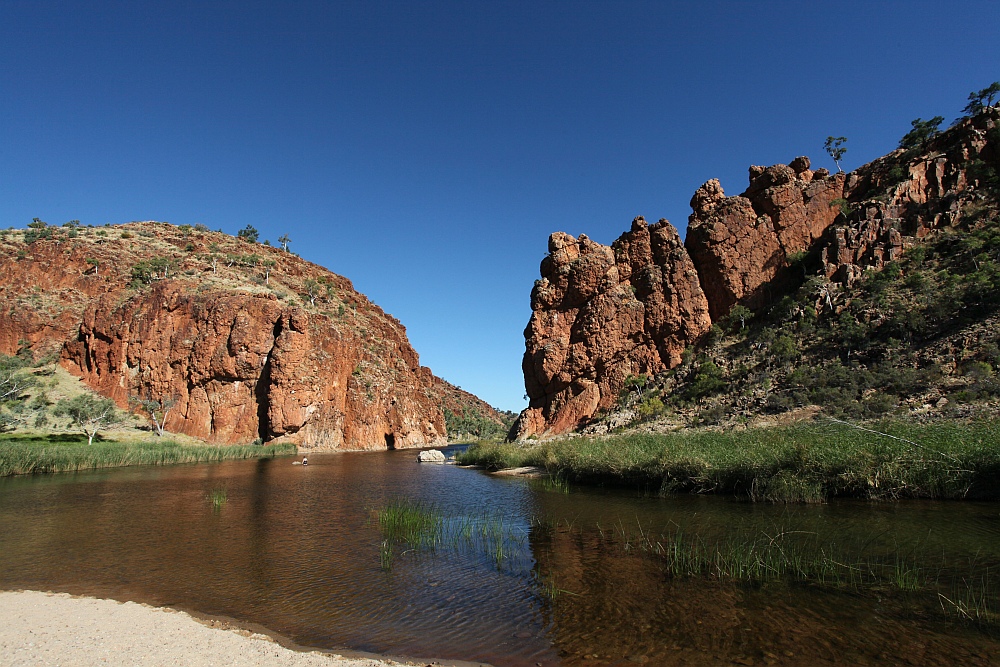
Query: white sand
[[58, 629]]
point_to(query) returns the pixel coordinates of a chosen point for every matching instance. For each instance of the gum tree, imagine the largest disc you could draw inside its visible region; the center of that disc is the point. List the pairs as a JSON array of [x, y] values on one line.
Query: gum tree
[[835, 147], [91, 414]]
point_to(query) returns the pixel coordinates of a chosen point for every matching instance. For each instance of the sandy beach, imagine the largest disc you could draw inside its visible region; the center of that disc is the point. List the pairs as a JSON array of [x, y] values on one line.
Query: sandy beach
[[58, 629]]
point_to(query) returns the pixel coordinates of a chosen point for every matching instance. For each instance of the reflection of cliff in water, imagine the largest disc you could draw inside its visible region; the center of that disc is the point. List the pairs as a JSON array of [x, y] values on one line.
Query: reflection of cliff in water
[[612, 604]]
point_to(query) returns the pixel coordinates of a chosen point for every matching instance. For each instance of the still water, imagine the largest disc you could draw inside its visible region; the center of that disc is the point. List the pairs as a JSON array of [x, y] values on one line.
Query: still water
[[584, 582]]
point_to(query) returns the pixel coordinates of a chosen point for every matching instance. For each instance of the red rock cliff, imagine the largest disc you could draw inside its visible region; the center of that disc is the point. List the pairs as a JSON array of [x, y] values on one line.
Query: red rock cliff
[[251, 342], [742, 245], [601, 314]]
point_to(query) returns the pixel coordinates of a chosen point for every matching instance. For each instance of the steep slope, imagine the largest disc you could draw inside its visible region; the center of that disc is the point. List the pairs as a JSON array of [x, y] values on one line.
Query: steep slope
[[249, 341], [798, 249], [466, 415]]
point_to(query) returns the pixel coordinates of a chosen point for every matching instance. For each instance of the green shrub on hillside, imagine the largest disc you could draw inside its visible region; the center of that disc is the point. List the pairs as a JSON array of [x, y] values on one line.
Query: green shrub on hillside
[[472, 423]]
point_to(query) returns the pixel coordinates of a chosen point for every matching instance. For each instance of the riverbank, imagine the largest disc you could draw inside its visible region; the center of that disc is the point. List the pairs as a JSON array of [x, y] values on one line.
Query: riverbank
[[805, 462], [58, 629], [29, 455]]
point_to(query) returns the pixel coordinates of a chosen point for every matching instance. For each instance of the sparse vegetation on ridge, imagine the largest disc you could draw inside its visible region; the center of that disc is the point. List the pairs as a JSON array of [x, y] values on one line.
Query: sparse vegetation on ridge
[[919, 338]]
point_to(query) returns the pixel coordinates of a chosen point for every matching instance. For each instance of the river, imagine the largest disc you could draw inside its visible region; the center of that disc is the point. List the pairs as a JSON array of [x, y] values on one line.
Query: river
[[585, 579]]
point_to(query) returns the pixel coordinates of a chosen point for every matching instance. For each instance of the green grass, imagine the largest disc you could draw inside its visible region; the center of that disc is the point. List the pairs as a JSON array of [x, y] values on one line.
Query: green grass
[[218, 497], [27, 455], [799, 463], [423, 527], [860, 563]]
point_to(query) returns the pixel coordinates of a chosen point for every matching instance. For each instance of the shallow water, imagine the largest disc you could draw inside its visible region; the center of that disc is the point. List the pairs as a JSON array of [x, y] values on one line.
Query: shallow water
[[295, 549]]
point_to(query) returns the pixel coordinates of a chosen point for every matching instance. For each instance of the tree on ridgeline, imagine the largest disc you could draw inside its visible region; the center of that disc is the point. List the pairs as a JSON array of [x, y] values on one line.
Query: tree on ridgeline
[[836, 149], [923, 131], [983, 99], [284, 240], [248, 233]]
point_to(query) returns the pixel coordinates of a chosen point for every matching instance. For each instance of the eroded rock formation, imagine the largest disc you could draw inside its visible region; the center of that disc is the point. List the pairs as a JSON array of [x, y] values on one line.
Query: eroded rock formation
[[247, 349], [907, 195], [601, 314], [742, 245]]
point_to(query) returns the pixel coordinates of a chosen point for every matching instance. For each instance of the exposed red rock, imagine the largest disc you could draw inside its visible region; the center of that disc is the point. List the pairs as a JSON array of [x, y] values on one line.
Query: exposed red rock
[[742, 245], [244, 355], [601, 314], [902, 197]]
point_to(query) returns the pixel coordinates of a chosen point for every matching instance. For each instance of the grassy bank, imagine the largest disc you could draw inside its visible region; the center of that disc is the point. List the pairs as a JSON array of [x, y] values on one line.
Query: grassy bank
[[798, 463], [40, 454]]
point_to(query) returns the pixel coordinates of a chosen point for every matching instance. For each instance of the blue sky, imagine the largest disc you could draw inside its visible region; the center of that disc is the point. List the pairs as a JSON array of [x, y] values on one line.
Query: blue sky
[[426, 150]]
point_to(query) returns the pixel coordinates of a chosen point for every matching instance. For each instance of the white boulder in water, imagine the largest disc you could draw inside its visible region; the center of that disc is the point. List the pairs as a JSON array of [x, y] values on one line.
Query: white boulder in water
[[430, 456]]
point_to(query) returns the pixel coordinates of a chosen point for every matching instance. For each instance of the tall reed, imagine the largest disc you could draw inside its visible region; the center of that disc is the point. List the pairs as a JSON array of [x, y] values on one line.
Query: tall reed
[[424, 527], [967, 590], [218, 497]]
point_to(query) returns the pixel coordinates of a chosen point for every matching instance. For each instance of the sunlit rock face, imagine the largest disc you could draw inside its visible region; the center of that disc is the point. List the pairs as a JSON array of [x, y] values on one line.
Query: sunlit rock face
[[293, 354], [601, 314], [743, 245]]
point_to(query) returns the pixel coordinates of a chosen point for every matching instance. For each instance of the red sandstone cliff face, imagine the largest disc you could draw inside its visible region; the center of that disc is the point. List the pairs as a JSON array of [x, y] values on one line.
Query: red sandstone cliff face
[[601, 314], [245, 355], [742, 245]]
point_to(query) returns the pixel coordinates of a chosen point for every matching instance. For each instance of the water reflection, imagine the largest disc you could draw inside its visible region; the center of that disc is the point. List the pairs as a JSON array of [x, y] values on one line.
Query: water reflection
[[615, 604], [294, 549]]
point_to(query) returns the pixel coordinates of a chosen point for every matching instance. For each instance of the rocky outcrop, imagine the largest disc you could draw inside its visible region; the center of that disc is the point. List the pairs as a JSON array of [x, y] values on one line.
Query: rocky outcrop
[[250, 342], [601, 314], [906, 195], [457, 400], [742, 245], [870, 241]]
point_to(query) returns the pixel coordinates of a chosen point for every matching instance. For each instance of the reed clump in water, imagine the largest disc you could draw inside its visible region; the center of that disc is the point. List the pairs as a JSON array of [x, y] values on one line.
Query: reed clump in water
[[969, 590], [218, 497], [799, 463], [423, 526], [25, 456]]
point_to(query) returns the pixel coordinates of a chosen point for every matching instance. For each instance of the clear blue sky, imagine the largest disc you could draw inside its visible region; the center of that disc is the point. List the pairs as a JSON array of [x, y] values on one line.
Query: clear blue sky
[[426, 150]]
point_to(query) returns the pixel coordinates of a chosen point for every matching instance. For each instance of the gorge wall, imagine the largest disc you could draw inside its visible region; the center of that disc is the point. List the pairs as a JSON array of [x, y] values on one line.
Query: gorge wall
[[603, 313], [249, 341]]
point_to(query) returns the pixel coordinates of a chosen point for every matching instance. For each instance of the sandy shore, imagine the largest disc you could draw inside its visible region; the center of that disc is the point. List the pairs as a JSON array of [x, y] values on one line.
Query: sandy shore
[[58, 629]]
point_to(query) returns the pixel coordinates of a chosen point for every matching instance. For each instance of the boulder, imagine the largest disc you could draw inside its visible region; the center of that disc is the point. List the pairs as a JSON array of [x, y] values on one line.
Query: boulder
[[431, 456]]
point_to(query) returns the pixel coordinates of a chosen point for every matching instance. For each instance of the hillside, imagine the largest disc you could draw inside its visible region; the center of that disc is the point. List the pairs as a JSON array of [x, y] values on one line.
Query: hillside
[[248, 341], [858, 294]]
